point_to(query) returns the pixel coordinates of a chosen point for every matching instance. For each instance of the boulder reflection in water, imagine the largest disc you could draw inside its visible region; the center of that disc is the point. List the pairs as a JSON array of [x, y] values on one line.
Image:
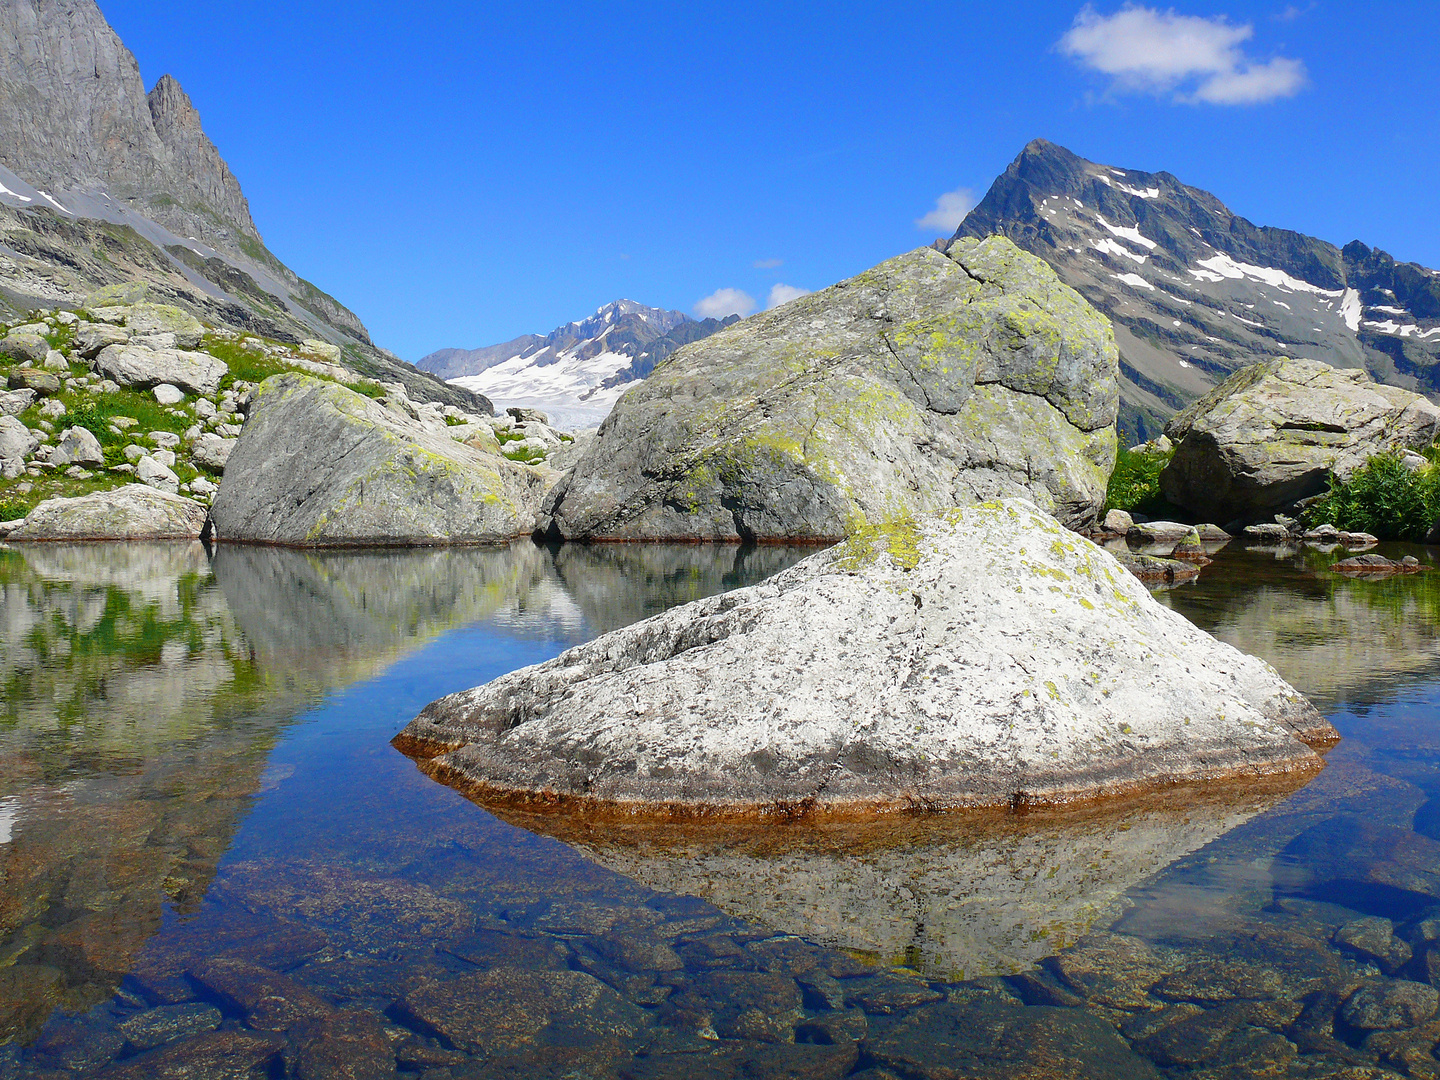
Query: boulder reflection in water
[[954, 896]]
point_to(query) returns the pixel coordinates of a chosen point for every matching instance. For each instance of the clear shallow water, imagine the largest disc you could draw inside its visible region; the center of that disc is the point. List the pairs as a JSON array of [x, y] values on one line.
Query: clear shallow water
[[214, 863]]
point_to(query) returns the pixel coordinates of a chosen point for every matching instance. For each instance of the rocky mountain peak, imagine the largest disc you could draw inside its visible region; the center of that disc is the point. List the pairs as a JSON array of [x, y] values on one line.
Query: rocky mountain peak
[[1195, 291], [195, 157], [76, 117]]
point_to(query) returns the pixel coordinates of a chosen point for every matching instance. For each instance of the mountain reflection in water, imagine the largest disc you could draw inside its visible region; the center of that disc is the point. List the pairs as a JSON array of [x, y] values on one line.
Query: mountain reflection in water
[[214, 864]]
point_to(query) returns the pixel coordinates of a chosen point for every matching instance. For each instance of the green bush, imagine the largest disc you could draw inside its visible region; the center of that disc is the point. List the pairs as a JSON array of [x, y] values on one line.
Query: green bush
[[1382, 497], [94, 419], [1135, 483], [12, 509]]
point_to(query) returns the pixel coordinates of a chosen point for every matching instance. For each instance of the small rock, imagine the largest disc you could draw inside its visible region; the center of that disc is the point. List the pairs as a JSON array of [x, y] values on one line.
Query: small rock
[[166, 394], [17, 441], [1387, 1006], [1190, 549], [269, 1000], [166, 440], [212, 452], [43, 383], [1118, 521], [75, 472], [1158, 532], [1358, 540], [52, 408], [78, 446], [1154, 570], [1375, 566], [124, 423], [55, 361], [155, 1027], [1375, 938], [525, 416], [151, 472], [21, 346], [201, 486], [214, 1054], [93, 337], [165, 457], [133, 453], [14, 402], [204, 408], [1268, 533]]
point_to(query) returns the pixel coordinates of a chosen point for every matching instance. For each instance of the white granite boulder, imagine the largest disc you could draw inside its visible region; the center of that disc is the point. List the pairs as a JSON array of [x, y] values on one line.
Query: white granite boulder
[[979, 656]]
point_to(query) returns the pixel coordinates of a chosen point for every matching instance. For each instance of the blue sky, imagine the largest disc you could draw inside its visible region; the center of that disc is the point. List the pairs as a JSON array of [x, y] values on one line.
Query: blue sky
[[460, 174]]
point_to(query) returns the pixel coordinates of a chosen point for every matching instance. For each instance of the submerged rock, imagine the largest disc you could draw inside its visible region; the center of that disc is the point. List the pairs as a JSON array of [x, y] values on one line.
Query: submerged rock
[[320, 465], [927, 382], [132, 512], [983, 656], [1272, 433]]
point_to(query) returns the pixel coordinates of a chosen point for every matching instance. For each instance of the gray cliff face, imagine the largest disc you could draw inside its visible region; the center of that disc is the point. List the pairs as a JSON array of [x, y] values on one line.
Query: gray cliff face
[[1196, 292], [76, 115], [104, 185], [194, 155], [926, 382]]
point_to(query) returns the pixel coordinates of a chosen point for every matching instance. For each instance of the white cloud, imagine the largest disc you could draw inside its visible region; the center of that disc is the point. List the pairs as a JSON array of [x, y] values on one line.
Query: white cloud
[[724, 302], [950, 210], [1145, 50], [768, 264], [783, 294]]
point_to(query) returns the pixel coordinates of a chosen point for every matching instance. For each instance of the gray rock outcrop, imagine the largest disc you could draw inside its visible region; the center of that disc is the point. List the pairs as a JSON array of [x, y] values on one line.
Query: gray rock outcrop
[[924, 383], [76, 114], [141, 368], [980, 656], [132, 512], [1274, 432], [320, 465]]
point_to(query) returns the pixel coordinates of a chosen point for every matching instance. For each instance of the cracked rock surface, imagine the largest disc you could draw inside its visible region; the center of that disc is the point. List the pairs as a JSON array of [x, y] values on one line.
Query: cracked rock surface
[[979, 656], [927, 382]]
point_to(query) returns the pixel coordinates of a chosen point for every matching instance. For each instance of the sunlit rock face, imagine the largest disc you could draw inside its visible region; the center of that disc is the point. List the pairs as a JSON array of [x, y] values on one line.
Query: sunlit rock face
[[955, 897]]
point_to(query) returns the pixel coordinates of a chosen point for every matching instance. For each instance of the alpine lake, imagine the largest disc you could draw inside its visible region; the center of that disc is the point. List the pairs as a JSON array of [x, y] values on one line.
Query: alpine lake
[[214, 863]]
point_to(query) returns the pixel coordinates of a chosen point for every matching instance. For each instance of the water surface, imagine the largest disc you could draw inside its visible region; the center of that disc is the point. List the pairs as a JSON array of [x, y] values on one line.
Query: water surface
[[214, 863]]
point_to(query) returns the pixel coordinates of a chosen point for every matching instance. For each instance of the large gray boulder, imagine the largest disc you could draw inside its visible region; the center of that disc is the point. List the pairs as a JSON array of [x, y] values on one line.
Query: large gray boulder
[[132, 512], [980, 656], [927, 382], [317, 464], [143, 369], [1274, 432]]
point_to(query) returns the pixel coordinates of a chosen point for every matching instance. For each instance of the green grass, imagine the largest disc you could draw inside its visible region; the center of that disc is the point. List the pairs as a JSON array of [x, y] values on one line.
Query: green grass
[[1135, 483], [525, 455], [248, 364], [1384, 498]]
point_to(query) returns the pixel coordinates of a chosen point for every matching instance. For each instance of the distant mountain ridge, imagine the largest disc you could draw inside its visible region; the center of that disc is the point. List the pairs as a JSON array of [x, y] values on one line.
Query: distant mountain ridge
[[102, 183], [577, 371], [1195, 291]]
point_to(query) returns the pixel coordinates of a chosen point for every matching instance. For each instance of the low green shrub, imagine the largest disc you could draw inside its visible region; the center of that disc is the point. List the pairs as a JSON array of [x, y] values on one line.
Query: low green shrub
[[1135, 483], [92, 418], [1383, 497], [12, 509]]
